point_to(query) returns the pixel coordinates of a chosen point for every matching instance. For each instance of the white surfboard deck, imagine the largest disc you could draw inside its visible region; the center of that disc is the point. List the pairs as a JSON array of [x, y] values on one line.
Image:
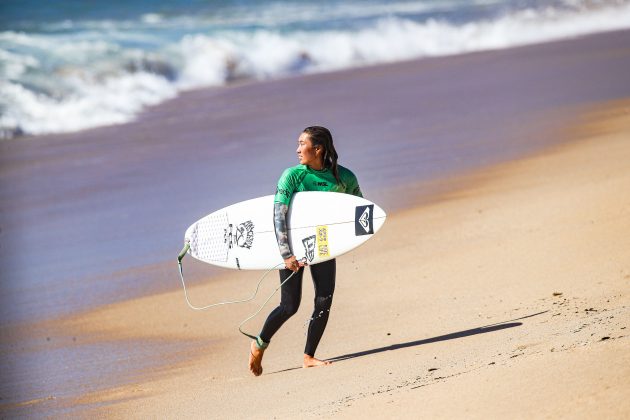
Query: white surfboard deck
[[322, 226]]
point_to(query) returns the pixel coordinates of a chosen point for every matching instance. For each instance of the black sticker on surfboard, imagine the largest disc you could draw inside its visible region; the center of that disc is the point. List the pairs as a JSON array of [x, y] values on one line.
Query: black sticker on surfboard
[[309, 247], [363, 220]]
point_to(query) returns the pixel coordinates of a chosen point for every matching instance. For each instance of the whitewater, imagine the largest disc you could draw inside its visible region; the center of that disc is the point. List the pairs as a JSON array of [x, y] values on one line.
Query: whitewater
[[61, 75]]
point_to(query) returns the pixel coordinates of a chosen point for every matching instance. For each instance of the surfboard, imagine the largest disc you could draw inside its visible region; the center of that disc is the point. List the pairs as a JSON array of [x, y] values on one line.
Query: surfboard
[[322, 226]]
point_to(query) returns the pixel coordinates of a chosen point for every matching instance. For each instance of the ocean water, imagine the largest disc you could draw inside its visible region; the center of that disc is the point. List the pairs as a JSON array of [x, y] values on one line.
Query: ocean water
[[68, 65]]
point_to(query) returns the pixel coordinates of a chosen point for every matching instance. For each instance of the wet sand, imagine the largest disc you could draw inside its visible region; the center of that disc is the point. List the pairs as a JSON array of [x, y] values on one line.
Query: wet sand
[[460, 302]]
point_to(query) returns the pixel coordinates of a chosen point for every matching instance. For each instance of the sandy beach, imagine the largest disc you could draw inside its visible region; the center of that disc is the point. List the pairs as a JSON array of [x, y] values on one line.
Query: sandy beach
[[509, 298], [500, 289]]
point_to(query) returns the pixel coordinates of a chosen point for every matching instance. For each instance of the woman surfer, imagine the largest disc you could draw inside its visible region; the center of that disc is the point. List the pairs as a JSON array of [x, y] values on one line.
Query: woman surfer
[[318, 171]]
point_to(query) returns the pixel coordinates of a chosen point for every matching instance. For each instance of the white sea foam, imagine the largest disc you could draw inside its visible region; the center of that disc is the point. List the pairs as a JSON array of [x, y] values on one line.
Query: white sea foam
[[152, 18], [76, 79], [113, 101], [264, 53]]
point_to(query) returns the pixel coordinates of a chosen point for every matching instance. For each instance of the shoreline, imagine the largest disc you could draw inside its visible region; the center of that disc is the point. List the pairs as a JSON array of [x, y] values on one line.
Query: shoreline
[[118, 199], [155, 112], [493, 192], [245, 82]]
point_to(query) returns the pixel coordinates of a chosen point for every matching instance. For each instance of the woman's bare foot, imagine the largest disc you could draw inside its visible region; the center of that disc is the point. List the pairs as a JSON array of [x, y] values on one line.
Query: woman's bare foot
[[255, 359], [310, 361]]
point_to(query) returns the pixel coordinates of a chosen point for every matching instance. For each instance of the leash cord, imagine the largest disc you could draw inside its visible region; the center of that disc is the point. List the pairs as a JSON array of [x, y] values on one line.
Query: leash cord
[[201, 308], [263, 305]]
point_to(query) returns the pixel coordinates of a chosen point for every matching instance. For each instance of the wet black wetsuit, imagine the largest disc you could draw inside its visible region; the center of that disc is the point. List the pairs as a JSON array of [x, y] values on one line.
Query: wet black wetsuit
[[323, 275], [303, 178]]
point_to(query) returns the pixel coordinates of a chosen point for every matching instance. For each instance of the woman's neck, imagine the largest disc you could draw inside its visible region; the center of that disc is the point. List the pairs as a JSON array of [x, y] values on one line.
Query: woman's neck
[[316, 166]]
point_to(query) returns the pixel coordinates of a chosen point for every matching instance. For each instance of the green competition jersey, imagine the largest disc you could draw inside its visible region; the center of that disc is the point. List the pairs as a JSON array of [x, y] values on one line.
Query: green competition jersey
[[303, 178]]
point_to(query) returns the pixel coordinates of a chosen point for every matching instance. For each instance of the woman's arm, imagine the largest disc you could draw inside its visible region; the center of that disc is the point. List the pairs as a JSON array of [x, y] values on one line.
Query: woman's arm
[[280, 211]]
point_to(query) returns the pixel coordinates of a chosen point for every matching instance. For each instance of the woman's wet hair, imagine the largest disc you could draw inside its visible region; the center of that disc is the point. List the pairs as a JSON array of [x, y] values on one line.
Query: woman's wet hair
[[321, 136]]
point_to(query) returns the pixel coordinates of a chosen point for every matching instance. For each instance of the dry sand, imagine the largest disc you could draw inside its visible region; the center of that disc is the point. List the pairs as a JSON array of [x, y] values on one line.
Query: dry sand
[[508, 298]]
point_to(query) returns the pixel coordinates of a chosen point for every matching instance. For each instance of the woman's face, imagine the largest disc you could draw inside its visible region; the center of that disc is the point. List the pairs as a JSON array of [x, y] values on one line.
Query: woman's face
[[308, 154]]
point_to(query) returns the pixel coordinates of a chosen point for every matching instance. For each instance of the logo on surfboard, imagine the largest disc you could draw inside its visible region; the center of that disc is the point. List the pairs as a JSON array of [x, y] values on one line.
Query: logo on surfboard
[[309, 247], [244, 235], [363, 220], [322, 241]]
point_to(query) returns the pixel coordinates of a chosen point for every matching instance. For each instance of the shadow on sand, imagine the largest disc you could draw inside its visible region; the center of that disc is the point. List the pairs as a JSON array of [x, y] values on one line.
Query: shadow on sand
[[452, 336]]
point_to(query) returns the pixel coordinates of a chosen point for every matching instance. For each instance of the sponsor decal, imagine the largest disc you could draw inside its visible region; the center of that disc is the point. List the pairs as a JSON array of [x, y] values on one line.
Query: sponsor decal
[[363, 220], [245, 234], [309, 247], [284, 192], [227, 236], [238, 264], [322, 241]]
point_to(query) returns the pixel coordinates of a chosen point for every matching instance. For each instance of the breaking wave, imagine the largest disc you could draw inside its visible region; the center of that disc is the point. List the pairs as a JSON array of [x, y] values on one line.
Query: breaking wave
[[68, 76]]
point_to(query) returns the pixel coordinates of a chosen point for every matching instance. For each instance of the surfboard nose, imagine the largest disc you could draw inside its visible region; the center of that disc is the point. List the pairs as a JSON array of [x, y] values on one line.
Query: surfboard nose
[[379, 218]]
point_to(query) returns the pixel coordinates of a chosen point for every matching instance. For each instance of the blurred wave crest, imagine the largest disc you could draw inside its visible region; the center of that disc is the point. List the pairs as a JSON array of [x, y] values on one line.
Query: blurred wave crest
[[67, 75]]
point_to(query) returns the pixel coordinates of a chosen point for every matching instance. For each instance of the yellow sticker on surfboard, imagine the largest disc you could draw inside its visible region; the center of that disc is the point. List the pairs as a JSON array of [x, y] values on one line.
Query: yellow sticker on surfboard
[[322, 241]]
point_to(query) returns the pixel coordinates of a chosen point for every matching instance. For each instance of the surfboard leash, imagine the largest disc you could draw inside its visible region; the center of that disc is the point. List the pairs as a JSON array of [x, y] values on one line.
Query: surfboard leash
[[181, 256], [263, 305]]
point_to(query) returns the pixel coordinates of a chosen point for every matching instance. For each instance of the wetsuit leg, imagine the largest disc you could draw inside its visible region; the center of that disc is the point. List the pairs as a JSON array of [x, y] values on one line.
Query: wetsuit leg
[[324, 281], [290, 296]]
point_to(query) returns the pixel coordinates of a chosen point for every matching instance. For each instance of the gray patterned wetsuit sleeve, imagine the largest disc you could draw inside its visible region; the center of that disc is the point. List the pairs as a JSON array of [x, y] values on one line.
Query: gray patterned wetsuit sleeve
[[280, 211]]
